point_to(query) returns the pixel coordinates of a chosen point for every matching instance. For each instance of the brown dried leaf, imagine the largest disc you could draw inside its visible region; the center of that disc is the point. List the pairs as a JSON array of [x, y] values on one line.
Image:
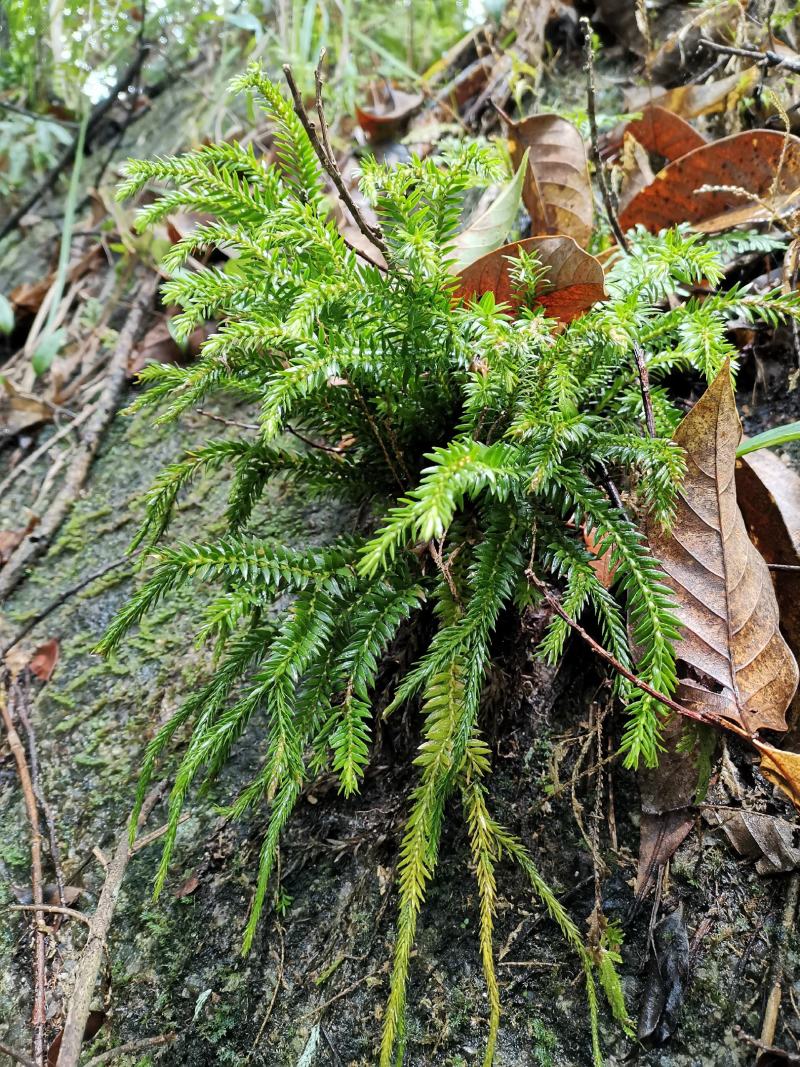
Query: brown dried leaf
[[769, 499], [635, 170], [19, 412], [659, 131], [774, 843], [691, 101], [557, 191], [11, 539], [574, 280], [782, 769], [44, 660], [386, 118], [733, 662], [746, 162]]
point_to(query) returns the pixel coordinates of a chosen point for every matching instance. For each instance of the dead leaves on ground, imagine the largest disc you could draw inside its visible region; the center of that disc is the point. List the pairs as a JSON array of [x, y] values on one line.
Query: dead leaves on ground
[[739, 180]]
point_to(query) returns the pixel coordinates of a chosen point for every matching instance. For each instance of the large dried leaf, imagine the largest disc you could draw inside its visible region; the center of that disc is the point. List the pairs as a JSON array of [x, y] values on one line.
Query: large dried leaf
[[20, 412], [557, 191], [769, 840], [660, 131], [574, 280], [691, 101], [734, 663], [391, 111], [782, 769], [743, 165], [769, 498]]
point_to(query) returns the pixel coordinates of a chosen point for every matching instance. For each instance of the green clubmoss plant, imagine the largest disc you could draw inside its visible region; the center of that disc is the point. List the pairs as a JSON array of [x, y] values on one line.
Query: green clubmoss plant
[[478, 446]]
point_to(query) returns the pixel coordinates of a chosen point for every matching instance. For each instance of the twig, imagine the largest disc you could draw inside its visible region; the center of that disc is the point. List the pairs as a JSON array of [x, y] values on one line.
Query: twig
[[343, 993], [620, 668], [60, 599], [16, 1055], [227, 422], [6, 106], [372, 233], [38, 540], [613, 221], [130, 1046], [767, 1035], [23, 691], [274, 997], [154, 835], [644, 383], [768, 57], [52, 909], [88, 966], [312, 444], [68, 155], [39, 1006]]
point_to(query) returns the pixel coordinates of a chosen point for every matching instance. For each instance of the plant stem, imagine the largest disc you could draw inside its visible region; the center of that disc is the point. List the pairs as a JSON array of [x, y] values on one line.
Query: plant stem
[[591, 94]]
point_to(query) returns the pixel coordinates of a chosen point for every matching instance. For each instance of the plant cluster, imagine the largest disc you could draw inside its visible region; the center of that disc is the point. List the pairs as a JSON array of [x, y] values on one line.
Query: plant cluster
[[480, 445]]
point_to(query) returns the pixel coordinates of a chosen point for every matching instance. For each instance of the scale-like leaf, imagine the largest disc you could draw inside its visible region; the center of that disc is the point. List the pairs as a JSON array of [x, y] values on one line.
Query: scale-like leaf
[[735, 663]]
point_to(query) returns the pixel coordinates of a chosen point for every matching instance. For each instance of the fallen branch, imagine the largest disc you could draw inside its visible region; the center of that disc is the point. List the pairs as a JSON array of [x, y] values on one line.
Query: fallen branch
[[38, 1016], [130, 1046], [17, 1056], [767, 58], [40, 616], [39, 539], [88, 966], [23, 694], [51, 909]]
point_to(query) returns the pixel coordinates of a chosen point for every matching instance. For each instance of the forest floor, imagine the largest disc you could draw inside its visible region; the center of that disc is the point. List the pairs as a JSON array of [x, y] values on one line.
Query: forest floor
[[312, 990]]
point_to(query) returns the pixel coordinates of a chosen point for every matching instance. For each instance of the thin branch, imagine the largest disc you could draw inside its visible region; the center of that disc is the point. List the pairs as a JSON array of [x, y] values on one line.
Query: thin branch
[[312, 444], [23, 691], [644, 383], [130, 1046], [16, 1055], [39, 1014], [620, 668], [34, 117], [227, 422], [88, 966], [60, 599], [768, 57], [52, 909], [323, 123], [591, 94], [372, 233]]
